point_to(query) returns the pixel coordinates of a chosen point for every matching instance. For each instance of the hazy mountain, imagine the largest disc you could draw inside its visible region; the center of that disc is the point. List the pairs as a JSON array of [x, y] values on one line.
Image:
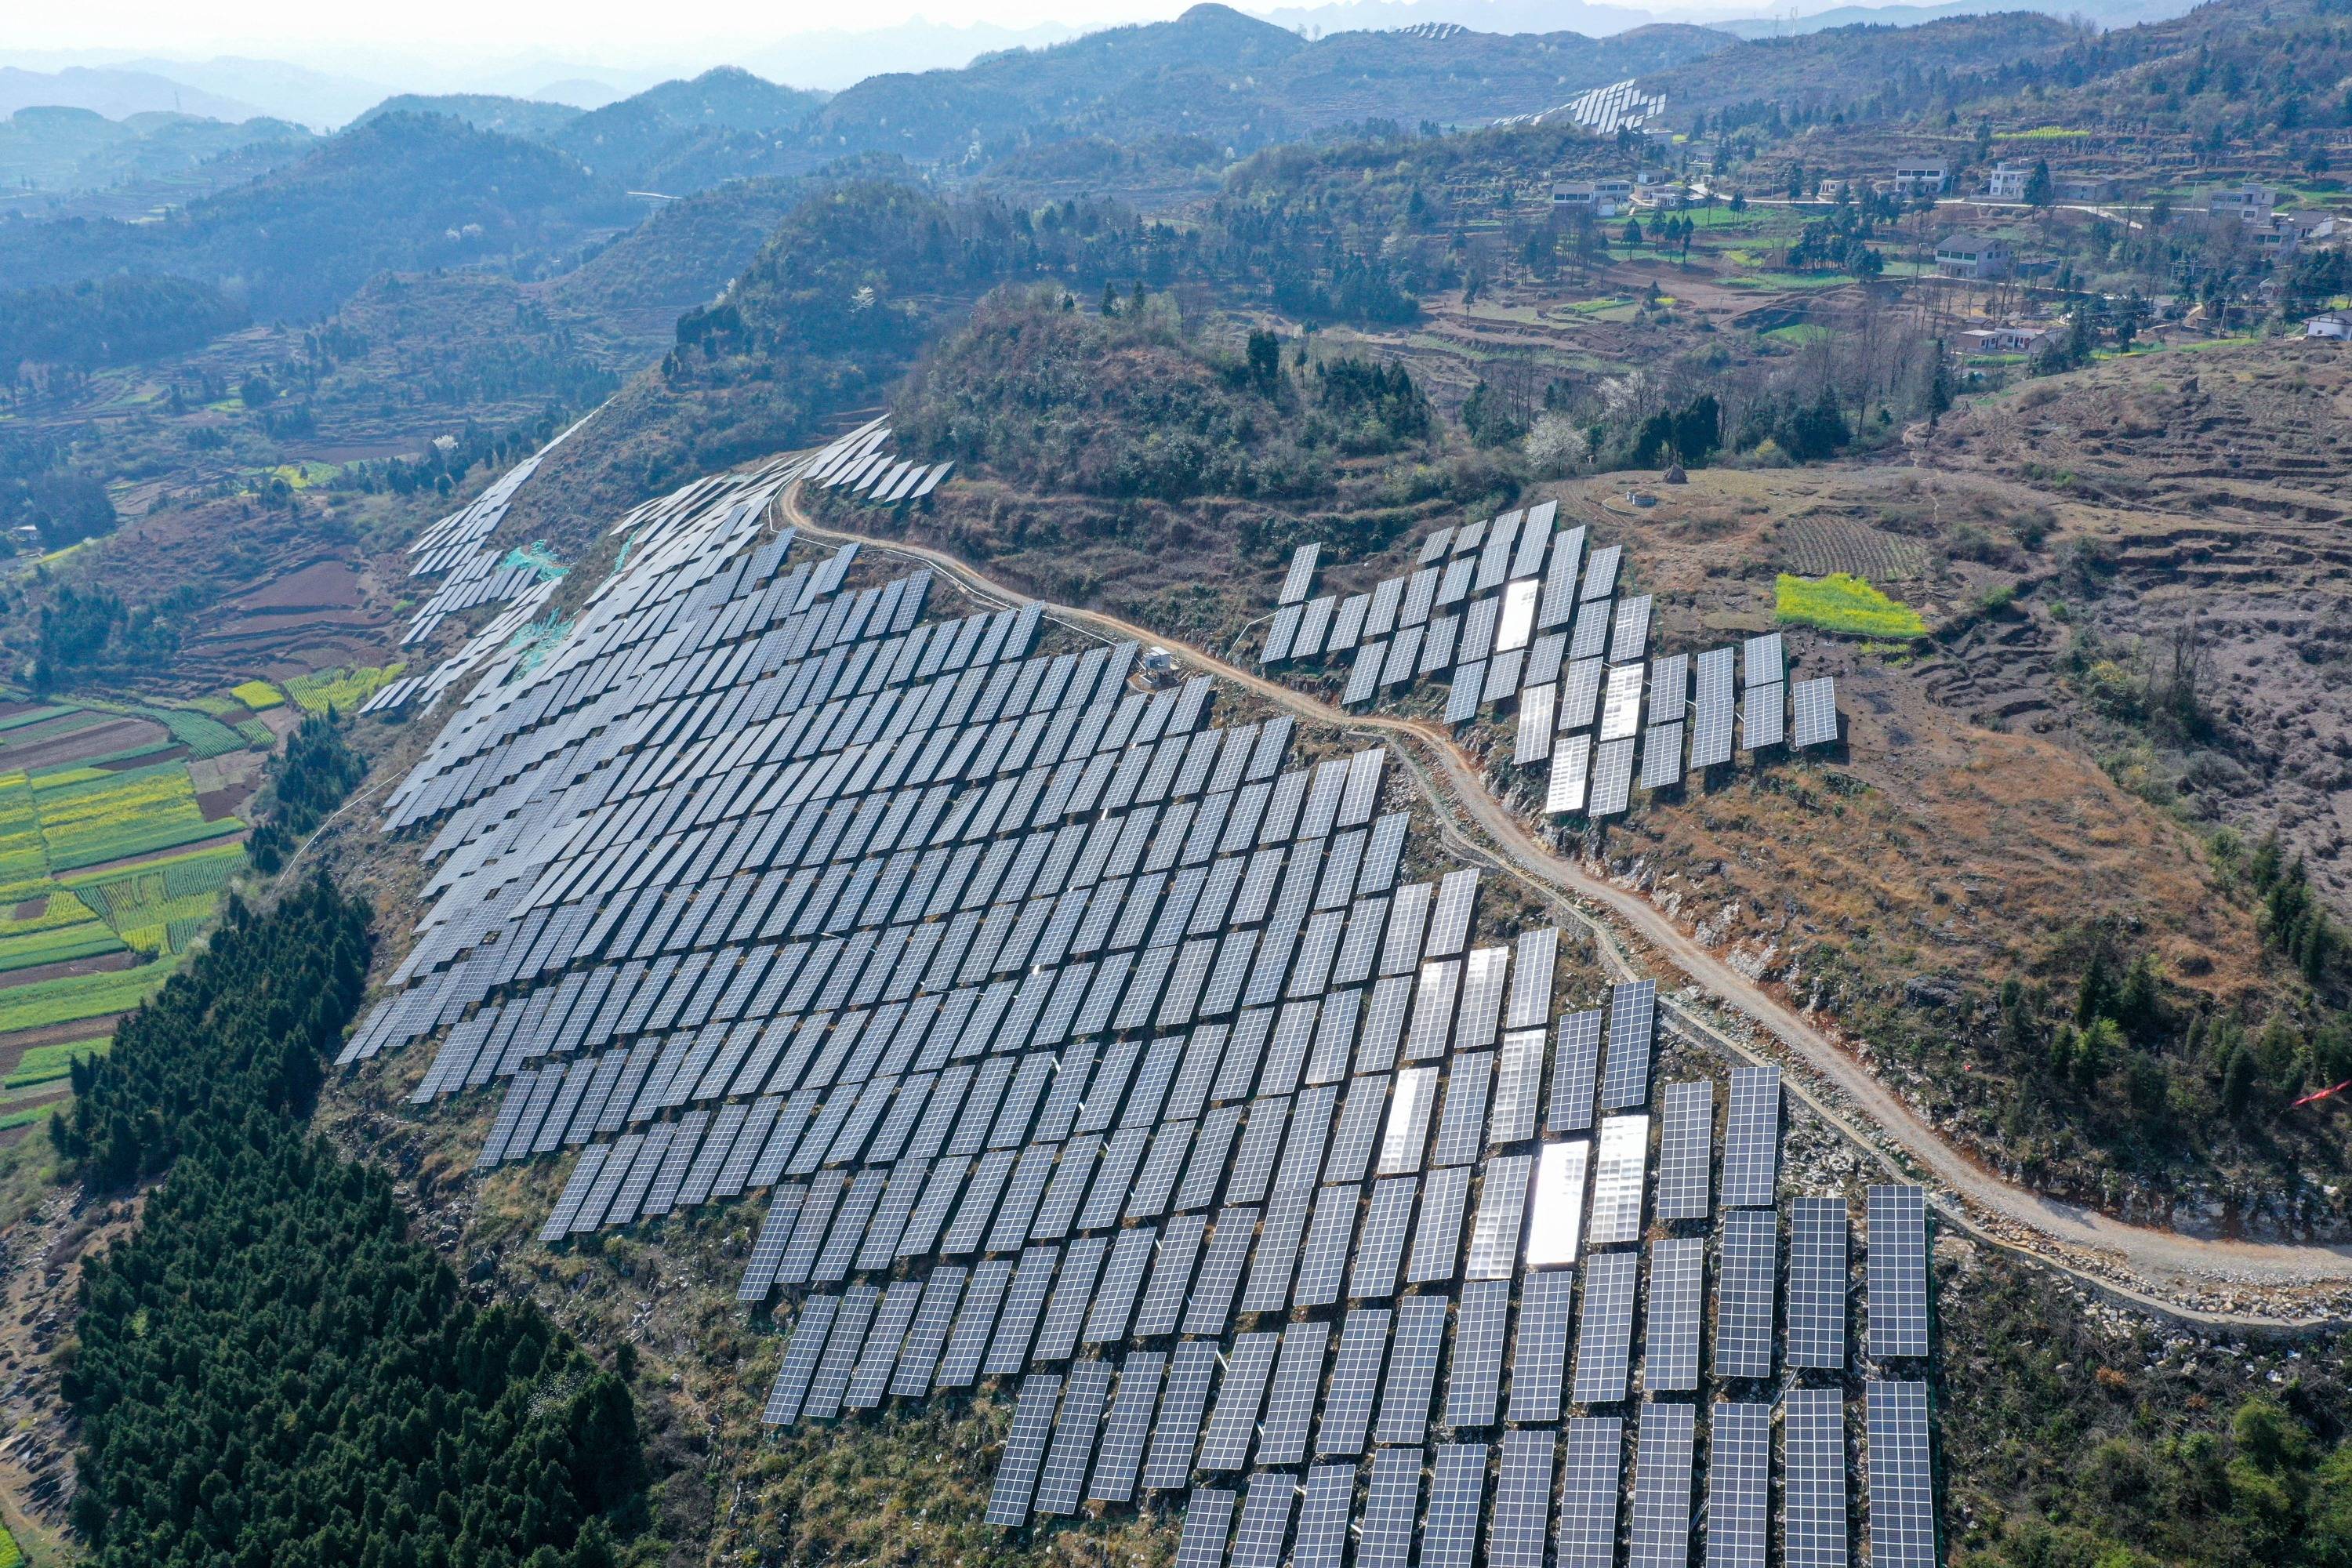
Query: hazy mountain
[[114, 92], [318, 99], [49, 149], [628, 139], [579, 92], [528, 118]]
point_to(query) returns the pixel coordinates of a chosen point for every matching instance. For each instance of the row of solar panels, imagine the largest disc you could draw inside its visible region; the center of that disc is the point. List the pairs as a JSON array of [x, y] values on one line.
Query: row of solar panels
[[1540, 1509]]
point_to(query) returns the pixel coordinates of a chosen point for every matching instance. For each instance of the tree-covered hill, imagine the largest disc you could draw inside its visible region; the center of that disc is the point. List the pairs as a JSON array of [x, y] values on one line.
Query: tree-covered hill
[[405, 191]]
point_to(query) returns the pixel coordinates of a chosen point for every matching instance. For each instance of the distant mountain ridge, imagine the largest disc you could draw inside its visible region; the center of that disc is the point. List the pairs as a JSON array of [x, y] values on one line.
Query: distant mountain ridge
[[114, 92]]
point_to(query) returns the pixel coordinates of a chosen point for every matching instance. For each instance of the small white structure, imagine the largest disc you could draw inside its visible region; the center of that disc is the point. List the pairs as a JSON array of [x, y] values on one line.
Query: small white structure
[[1922, 177], [2329, 326]]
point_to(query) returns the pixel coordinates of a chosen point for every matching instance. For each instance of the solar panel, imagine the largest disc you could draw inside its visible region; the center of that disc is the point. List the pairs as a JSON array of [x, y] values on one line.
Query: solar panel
[[871, 1379], [1670, 1340], [1575, 1073], [1604, 1339], [1449, 921], [1738, 1485], [1413, 1370], [929, 1334], [1600, 572], [1323, 1262], [1127, 1428], [1323, 1517], [968, 1341], [1057, 1335], [1685, 1150], [1437, 1239], [1474, 1380], [1632, 1030], [1535, 730], [1766, 660], [1380, 1248], [1902, 1477], [1266, 1521], [1580, 694], [1502, 1215], [1630, 639], [1065, 1474], [1664, 1441], [1751, 1141], [1281, 633], [1898, 1220], [1763, 718], [1621, 703], [1588, 1495], [1747, 1275], [1618, 1170], [1457, 1484], [1240, 1395], [810, 1331], [1114, 1302], [1169, 1462], [1355, 1374], [1613, 779], [1817, 1283], [1301, 575], [1364, 674], [1208, 1521], [1025, 1298], [841, 1348], [1813, 1470], [1290, 1400], [1514, 1538], [1385, 1537], [1711, 719], [1518, 1079], [1518, 622], [1462, 1127], [1662, 756], [1540, 1348], [1816, 707], [1554, 1226]]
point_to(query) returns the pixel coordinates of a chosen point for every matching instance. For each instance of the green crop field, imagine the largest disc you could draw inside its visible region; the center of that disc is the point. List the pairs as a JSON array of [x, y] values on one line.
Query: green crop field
[[46, 1002], [88, 816], [257, 695], [341, 689], [35, 716], [1842, 603], [48, 1064]]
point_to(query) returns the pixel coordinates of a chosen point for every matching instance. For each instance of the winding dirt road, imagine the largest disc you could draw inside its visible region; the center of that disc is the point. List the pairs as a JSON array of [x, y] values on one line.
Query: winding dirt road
[[2201, 1278]]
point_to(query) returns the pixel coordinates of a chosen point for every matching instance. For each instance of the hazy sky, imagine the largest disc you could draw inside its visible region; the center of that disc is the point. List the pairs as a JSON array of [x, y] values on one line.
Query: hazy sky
[[614, 31]]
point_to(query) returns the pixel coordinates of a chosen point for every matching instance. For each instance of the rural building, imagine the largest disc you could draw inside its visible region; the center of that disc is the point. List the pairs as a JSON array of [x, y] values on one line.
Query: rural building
[[1601, 198], [2247, 204], [1964, 253], [2001, 339], [1922, 177], [2085, 187], [2007, 182], [2329, 326]]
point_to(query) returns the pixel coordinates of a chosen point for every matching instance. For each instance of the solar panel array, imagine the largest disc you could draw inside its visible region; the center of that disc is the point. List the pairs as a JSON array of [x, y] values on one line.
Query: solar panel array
[[1066, 1037]]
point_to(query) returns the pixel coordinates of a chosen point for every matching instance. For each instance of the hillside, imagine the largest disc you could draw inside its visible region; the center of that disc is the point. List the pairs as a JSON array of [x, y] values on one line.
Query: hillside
[[54, 149], [663, 128], [404, 191], [529, 119], [1962, 56], [1242, 83]]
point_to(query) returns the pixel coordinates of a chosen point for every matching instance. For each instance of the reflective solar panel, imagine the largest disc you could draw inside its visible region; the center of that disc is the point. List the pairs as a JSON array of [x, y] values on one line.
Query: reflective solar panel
[[1711, 716], [1618, 1170], [1812, 1469], [1437, 1237], [1554, 1226], [1588, 1495], [1384, 1539], [1600, 572], [1300, 577], [1902, 1477], [1449, 919], [1380, 1250], [1457, 1485], [1816, 722], [1897, 1281], [1322, 1533], [1630, 639], [1177, 1433], [1751, 1141], [1265, 1521], [1621, 703], [1502, 1216], [1662, 756], [1685, 1150], [975, 1323], [927, 1336], [1580, 694], [870, 1379], [1745, 1280], [1817, 1283], [1604, 1338], [1025, 1298], [1763, 717], [1738, 1485], [1575, 1073], [1613, 779], [1664, 1443], [1765, 660], [1533, 741], [1633, 1032], [841, 1348], [1670, 1338], [1290, 1399]]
